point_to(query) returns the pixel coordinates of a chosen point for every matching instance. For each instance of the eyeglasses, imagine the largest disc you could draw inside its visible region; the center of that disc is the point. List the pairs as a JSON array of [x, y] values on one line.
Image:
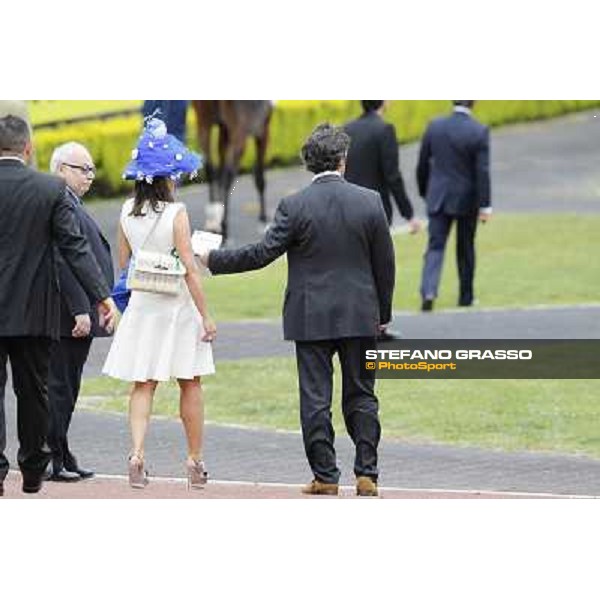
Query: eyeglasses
[[85, 169]]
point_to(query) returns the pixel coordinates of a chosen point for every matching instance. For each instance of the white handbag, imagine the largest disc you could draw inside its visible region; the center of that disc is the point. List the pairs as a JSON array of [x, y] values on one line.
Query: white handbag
[[156, 272]]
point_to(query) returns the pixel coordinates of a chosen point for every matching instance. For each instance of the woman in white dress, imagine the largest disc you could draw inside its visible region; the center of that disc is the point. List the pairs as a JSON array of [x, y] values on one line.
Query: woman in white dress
[[162, 336]]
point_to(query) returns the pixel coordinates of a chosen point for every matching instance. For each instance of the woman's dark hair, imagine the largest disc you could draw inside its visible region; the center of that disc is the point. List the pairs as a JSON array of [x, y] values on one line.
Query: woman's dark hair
[[325, 148], [156, 192], [371, 105]]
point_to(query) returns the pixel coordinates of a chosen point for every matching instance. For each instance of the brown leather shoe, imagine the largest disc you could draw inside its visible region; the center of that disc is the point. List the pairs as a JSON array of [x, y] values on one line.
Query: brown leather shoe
[[320, 488], [365, 486]]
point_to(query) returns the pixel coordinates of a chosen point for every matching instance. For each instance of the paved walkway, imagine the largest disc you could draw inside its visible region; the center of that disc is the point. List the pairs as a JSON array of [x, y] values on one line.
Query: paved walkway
[[563, 176], [116, 488]]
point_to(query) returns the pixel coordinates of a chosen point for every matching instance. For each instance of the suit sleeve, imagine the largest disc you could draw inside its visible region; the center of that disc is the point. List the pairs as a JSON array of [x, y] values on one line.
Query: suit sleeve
[[423, 164], [256, 256], [482, 167], [390, 160], [383, 263], [75, 250], [71, 291]]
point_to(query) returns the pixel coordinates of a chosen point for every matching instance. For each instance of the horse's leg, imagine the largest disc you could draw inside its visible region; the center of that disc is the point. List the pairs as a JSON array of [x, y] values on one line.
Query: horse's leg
[[209, 169], [233, 155], [215, 209], [259, 171], [223, 143], [203, 129]]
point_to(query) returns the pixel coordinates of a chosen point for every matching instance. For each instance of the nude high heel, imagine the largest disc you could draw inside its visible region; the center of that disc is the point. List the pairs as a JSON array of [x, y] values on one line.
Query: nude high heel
[[196, 474], [138, 477]]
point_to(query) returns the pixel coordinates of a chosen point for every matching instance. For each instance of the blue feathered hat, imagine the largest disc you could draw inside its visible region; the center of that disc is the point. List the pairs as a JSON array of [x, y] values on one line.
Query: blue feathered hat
[[159, 154]]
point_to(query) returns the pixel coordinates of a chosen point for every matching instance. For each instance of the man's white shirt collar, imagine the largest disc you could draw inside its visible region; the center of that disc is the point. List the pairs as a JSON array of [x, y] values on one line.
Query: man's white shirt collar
[[324, 173], [12, 158], [462, 109]]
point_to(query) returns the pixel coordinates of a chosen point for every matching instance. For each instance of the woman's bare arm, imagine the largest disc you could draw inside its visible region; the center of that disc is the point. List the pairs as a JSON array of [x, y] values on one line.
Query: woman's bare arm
[[124, 248], [193, 279]]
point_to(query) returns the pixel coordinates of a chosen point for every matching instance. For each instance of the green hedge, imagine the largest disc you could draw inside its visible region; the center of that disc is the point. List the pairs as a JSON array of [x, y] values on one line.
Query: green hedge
[[111, 142]]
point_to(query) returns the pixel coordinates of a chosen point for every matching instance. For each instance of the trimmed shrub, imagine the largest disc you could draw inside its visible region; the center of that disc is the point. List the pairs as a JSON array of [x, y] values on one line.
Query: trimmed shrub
[[111, 142]]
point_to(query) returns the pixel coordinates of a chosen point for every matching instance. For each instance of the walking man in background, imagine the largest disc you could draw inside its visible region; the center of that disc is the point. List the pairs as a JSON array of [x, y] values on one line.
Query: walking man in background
[[453, 176], [341, 275], [78, 314], [373, 160], [35, 218]]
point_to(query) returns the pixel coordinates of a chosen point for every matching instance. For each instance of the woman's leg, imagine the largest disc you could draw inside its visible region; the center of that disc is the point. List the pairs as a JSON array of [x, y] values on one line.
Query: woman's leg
[[191, 408], [140, 408]]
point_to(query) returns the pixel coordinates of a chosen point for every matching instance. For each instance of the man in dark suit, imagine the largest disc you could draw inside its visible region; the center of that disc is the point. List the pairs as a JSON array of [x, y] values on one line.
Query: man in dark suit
[[3, 460], [454, 179], [373, 160], [79, 315], [35, 217], [340, 283]]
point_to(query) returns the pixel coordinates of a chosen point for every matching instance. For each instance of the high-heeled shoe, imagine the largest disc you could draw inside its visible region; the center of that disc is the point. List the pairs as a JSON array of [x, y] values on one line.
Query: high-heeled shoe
[[196, 474], [138, 477]]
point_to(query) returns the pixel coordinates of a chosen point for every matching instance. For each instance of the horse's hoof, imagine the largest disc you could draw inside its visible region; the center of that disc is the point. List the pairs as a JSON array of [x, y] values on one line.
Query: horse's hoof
[[214, 217], [213, 227]]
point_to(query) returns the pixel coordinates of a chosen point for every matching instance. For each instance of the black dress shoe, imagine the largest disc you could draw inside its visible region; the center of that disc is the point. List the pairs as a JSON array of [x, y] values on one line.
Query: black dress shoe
[[389, 336], [427, 305], [1, 488], [64, 476], [83, 473], [32, 484]]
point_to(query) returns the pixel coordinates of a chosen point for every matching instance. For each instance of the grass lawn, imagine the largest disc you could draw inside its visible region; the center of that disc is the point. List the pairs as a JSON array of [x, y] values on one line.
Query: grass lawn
[[556, 415], [42, 111], [522, 259]]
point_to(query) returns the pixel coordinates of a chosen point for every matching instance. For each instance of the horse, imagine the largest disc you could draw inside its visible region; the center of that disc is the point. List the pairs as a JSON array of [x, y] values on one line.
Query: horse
[[236, 121]]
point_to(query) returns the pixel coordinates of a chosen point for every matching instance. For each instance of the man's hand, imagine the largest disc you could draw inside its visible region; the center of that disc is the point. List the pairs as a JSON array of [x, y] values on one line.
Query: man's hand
[[83, 324], [414, 226], [210, 329], [484, 217], [108, 314]]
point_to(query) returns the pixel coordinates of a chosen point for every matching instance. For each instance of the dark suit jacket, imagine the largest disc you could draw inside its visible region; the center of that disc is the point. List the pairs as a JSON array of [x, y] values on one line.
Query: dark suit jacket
[[35, 215], [453, 170], [74, 299], [373, 161], [340, 261]]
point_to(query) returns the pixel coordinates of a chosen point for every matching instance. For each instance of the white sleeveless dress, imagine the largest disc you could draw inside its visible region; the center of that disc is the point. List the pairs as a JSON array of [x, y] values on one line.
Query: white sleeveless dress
[[159, 336]]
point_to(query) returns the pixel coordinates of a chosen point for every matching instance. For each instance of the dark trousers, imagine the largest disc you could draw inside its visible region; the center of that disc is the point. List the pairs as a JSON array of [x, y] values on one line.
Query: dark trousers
[[64, 381], [3, 459], [172, 112], [359, 406], [29, 359], [439, 229]]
